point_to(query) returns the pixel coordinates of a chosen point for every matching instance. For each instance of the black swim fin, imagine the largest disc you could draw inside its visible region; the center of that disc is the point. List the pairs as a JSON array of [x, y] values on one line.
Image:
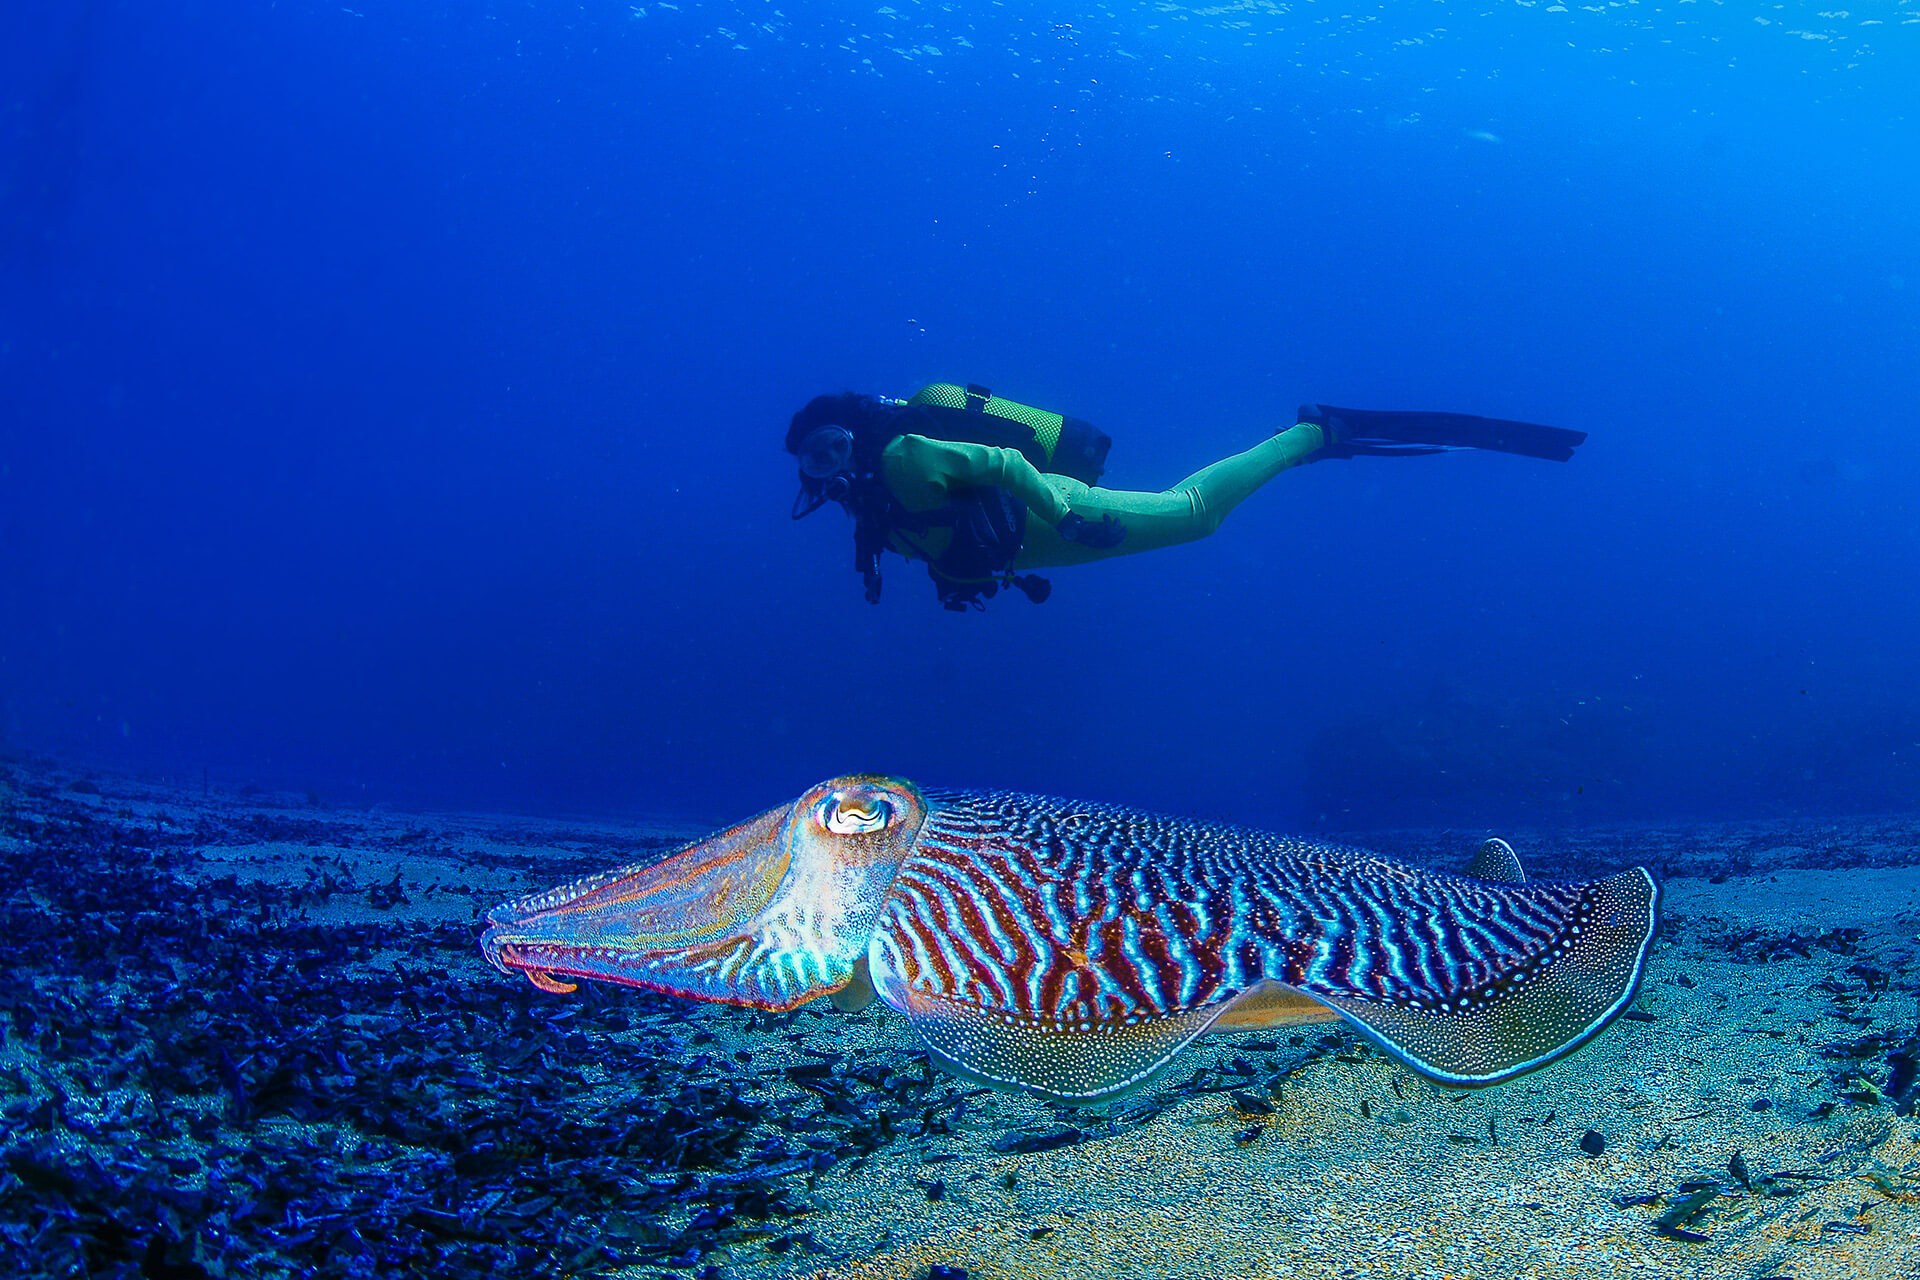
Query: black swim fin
[[1351, 433]]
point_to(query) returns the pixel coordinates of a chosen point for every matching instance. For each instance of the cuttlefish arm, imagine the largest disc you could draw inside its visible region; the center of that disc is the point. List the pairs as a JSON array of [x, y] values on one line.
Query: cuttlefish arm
[[1072, 950]]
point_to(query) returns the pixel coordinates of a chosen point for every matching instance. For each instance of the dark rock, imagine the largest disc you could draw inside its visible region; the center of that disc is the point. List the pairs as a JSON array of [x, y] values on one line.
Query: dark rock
[[461, 1136], [1903, 1077]]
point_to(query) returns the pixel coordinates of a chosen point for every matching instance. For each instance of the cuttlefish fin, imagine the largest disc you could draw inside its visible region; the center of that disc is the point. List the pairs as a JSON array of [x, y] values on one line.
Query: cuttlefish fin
[[1531, 1015], [1498, 862], [1077, 1062]]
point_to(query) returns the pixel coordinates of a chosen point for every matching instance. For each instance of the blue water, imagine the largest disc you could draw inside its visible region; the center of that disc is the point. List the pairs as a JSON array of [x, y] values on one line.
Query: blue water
[[393, 398]]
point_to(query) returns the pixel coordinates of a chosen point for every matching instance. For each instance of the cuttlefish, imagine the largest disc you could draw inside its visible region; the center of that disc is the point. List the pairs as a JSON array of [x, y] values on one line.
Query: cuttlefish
[[1072, 950]]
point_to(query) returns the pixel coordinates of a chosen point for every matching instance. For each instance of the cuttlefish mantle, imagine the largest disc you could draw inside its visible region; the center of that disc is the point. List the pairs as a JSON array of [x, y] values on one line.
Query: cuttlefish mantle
[[1072, 950]]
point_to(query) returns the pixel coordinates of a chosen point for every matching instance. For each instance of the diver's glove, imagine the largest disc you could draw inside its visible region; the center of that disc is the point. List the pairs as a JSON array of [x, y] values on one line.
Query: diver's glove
[[1107, 532]]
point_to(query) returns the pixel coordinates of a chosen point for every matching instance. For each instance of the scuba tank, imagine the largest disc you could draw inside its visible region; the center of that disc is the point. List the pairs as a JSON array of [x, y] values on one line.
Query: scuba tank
[[1050, 441]]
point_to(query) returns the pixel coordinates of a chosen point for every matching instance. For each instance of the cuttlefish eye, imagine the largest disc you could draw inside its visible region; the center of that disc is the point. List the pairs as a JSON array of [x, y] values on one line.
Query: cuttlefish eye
[[848, 815]]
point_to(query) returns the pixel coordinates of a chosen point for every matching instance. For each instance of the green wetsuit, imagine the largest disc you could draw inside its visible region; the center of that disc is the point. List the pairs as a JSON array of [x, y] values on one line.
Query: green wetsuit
[[922, 474]]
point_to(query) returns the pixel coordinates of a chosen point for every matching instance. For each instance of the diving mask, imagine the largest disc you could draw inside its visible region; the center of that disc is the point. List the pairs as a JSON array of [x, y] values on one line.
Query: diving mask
[[826, 466], [827, 451]]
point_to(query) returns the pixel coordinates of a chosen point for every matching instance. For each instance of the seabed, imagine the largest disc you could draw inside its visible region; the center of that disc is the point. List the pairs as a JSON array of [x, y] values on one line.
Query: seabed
[[251, 1035]]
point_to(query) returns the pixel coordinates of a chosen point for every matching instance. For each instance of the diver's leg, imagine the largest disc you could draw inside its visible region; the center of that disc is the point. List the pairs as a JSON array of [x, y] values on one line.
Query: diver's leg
[[1220, 488], [1191, 509]]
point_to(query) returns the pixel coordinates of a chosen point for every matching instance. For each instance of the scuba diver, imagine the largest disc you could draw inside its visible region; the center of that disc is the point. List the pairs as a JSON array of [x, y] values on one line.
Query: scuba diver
[[978, 486]]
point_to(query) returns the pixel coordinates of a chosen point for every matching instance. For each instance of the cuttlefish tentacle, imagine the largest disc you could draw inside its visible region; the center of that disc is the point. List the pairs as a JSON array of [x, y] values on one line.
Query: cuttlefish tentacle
[[1072, 950]]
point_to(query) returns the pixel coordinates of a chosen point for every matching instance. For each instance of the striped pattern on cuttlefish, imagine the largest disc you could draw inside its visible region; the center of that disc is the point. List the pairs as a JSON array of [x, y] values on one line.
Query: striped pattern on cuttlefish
[[1072, 950]]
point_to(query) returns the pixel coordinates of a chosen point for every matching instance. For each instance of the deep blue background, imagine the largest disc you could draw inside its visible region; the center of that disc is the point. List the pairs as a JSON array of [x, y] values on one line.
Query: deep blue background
[[392, 400]]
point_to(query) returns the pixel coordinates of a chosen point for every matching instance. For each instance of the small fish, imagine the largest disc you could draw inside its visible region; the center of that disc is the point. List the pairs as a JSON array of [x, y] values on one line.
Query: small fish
[[1694, 1200], [1737, 1166], [1073, 950]]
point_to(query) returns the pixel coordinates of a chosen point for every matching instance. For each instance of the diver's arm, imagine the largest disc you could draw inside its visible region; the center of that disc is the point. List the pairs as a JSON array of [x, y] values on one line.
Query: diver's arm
[[922, 472]]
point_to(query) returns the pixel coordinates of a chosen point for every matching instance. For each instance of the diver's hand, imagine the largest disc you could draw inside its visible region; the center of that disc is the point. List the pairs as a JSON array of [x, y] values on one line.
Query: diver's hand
[[1108, 532]]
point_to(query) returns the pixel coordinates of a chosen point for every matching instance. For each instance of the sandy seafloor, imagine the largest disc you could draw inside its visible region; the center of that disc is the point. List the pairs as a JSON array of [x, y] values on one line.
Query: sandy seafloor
[[250, 1035]]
